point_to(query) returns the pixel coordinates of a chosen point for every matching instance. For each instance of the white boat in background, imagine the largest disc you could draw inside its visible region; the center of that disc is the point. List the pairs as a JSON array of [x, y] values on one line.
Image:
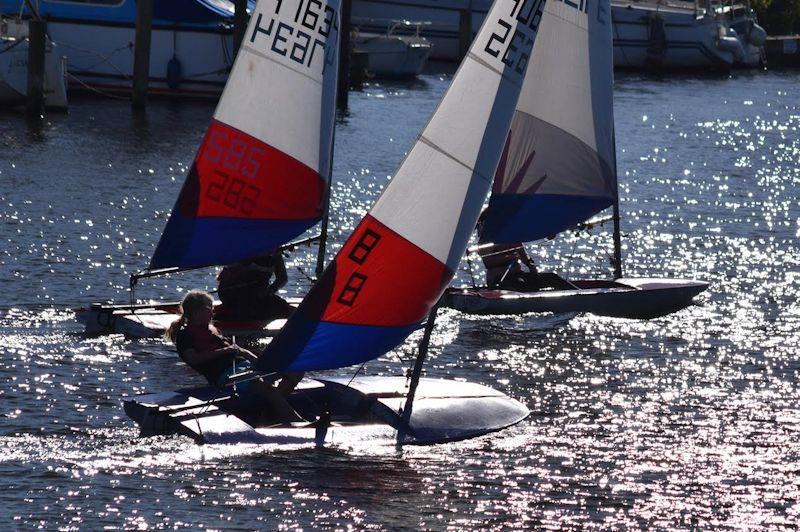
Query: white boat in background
[[558, 170], [191, 43], [387, 277], [674, 34], [441, 20], [395, 53], [14, 68], [647, 33]]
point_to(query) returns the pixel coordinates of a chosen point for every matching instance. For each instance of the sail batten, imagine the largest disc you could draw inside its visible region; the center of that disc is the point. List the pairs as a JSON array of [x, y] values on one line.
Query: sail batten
[[559, 158], [403, 254], [260, 177]]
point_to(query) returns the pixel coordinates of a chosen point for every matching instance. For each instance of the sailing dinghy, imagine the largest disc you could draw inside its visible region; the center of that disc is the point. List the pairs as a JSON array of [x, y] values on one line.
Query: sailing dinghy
[[262, 174], [558, 169], [387, 277]]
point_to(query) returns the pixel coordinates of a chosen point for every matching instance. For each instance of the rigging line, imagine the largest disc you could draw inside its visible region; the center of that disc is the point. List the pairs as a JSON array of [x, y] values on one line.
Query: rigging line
[[94, 89], [103, 58], [356, 373]]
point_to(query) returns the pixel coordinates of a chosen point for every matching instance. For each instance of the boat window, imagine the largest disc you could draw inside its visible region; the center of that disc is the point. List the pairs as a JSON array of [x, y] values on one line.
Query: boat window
[[89, 2]]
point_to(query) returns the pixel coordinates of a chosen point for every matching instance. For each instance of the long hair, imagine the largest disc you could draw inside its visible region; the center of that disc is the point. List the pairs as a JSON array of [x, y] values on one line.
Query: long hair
[[192, 301]]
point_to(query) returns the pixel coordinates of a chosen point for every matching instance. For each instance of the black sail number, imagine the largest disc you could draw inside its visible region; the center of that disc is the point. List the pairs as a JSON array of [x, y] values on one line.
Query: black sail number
[[359, 255]]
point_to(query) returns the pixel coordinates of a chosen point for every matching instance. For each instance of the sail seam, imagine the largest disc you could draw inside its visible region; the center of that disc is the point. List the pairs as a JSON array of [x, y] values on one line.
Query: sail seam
[[287, 67], [430, 144], [493, 69]]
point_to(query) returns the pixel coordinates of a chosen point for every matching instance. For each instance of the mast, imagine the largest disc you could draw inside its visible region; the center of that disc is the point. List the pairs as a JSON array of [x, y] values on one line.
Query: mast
[[323, 236], [416, 374], [617, 260]]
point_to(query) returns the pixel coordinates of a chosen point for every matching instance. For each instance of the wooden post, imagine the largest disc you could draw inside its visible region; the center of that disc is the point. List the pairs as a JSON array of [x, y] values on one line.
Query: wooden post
[[239, 24], [37, 33], [344, 58], [464, 31], [141, 53]]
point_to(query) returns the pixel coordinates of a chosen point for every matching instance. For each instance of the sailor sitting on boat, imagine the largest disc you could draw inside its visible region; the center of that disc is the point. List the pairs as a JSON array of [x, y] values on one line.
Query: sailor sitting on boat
[[247, 291], [206, 351], [508, 267]]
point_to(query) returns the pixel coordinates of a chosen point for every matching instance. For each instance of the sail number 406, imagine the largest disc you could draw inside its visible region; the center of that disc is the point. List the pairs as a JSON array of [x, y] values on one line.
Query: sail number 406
[[515, 51]]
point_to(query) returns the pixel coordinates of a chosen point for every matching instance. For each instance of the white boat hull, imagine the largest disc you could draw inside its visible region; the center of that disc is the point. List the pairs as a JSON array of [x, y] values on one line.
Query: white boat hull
[[152, 321], [622, 298], [691, 42], [14, 75], [101, 57], [365, 407], [393, 55]]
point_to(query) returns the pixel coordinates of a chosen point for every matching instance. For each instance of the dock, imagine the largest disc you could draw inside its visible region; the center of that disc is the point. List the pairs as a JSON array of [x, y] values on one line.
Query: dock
[[783, 51]]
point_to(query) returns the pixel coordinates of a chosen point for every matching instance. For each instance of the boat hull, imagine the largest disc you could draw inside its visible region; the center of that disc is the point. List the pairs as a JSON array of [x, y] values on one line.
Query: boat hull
[[367, 406], [393, 56], [152, 321], [14, 75], [692, 41], [635, 298]]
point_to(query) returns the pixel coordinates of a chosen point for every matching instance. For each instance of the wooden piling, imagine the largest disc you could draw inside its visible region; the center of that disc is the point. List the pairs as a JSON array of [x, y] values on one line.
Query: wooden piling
[[464, 31], [239, 23], [344, 58], [37, 33], [141, 52]]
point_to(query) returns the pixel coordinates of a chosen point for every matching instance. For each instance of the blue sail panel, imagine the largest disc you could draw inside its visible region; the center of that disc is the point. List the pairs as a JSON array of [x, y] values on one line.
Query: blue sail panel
[[512, 218], [186, 241], [313, 346]]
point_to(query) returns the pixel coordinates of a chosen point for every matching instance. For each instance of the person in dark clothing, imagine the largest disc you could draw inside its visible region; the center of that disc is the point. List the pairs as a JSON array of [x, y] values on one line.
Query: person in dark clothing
[[508, 267], [210, 354], [247, 289]]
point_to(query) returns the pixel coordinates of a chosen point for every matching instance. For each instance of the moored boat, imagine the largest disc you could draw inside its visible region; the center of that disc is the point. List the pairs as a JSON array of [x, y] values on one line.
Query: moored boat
[[14, 68], [672, 34], [392, 54], [191, 50]]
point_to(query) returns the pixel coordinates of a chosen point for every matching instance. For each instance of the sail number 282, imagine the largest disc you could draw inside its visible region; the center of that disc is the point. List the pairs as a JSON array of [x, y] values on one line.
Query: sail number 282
[[233, 159], [514, 47]]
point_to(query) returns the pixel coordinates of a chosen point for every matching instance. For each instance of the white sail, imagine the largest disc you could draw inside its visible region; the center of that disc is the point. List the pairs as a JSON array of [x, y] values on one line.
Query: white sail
[[261, 174], [559, 167], [403, 254]]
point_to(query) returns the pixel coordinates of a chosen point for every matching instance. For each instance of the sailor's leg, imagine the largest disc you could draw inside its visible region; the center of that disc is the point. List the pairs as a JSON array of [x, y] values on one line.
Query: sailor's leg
[[277, 410]]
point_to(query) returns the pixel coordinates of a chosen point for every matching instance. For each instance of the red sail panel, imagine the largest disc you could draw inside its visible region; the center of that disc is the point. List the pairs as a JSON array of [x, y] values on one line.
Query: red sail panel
[[382, 279], [242, 177]]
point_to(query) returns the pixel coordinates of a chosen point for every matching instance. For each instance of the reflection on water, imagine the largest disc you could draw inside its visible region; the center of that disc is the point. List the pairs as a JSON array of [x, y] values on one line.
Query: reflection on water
[[688, 421]]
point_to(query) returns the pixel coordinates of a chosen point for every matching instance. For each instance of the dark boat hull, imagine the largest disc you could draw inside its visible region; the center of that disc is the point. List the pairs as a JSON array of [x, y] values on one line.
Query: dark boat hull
[[622, 298]]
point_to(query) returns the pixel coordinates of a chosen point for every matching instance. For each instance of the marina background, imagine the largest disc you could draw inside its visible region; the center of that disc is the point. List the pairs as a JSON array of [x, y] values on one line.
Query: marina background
[[691, 420]]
